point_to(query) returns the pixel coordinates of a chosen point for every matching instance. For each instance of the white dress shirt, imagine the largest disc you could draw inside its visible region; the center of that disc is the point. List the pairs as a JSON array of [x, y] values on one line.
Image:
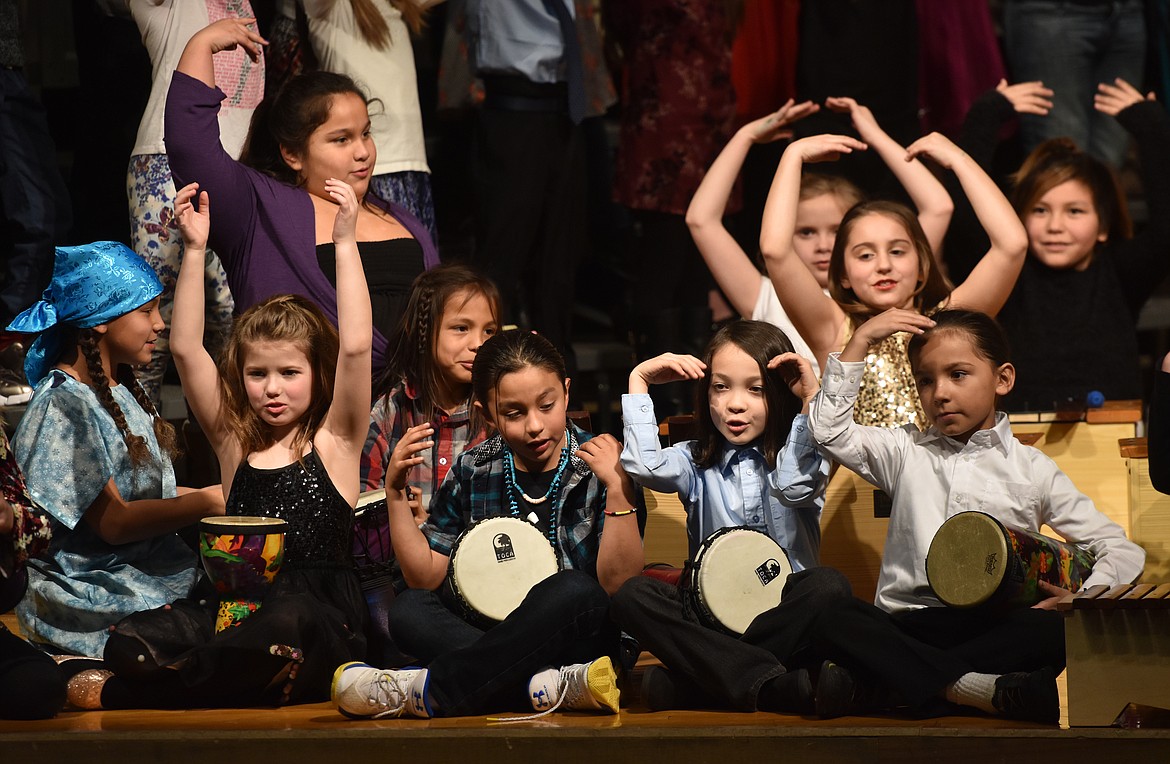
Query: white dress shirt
[[932, 477]]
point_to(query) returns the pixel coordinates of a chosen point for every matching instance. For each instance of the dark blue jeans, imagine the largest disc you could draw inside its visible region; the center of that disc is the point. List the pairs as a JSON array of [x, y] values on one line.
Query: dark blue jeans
[[563, 620], [34, 206], [729, 669], [1072, 47]]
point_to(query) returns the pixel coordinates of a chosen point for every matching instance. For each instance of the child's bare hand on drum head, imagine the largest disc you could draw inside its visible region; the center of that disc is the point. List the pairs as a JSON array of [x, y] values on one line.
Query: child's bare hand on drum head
[[798, 374], [407, 455], [1054, 594], [668, 367]]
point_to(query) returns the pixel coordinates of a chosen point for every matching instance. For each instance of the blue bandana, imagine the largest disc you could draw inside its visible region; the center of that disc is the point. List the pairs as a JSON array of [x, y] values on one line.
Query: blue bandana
[[92, 284]]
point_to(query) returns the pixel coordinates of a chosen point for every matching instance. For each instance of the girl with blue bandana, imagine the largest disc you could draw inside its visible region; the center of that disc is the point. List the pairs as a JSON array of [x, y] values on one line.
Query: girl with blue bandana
[[97, 455]]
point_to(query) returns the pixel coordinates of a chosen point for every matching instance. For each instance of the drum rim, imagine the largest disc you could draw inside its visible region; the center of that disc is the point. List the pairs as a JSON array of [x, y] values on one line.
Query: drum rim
[[368, 499], [1003, 548], [242, 525]]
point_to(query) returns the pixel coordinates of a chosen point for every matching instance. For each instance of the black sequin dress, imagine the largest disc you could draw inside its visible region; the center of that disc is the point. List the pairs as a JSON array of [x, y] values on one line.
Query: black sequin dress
[[314, 613]]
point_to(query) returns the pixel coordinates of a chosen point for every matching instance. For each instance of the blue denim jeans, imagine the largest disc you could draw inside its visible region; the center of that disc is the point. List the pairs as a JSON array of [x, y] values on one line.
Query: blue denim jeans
[[563, 620], [1072, 47]]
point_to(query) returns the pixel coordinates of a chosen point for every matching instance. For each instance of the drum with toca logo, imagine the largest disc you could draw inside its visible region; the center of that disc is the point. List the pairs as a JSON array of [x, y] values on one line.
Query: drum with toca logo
[[974, 559], [737, 574], [494, 563]]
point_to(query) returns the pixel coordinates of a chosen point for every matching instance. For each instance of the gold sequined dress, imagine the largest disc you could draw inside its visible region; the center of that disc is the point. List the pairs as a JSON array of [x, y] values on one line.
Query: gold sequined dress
[[888, 396]]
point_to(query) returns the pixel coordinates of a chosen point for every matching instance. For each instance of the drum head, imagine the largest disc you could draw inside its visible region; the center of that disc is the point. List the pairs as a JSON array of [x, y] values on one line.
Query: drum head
[[370, 497], [967, 559], [741, 573], [497, 561], [242, 525]]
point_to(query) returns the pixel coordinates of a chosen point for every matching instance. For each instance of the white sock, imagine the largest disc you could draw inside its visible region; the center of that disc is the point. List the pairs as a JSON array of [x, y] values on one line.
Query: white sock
[[976, 690]]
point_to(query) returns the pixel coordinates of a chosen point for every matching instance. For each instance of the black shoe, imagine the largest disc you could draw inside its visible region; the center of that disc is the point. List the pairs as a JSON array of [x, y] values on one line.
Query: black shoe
[[664, 690], [1028, 696], [839, 693], [789, 693]]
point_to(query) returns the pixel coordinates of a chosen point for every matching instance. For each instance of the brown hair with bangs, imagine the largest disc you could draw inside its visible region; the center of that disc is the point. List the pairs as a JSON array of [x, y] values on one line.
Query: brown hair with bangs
[[762, 342], [283, 318], [1058, 161], [932, 288]]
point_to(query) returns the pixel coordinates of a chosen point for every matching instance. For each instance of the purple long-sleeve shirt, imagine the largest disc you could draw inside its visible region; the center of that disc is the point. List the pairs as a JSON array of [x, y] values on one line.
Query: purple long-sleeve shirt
[[262, 229]]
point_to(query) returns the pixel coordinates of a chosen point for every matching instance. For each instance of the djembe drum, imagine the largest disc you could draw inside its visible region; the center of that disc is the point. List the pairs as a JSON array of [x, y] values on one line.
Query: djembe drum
[[494, 563], [737, 574], [242, 556], [974, 559]]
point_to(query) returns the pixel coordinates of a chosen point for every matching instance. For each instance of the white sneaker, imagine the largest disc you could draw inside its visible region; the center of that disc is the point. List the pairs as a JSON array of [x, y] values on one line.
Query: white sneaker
[[581, 687], [361, 691]]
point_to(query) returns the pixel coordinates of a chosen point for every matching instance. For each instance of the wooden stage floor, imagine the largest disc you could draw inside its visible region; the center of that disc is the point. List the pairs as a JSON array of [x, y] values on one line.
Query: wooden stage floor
[[316, 732]]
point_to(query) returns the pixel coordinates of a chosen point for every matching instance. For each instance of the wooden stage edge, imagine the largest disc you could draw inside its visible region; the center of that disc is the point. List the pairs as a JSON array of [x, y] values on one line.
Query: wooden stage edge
[[315, 732]]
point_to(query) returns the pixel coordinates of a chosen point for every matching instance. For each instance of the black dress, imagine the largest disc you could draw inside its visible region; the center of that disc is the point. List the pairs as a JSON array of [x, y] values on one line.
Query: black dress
[[311, 620]]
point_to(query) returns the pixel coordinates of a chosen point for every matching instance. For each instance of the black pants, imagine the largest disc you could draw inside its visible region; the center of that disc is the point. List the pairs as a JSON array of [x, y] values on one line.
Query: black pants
[[31, 686], [531, 216], [916, 654], [729, 669], [563, 620]]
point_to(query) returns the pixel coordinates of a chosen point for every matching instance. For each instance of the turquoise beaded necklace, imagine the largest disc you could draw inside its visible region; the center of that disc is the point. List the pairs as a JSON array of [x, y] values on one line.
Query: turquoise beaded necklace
[[515, 493]]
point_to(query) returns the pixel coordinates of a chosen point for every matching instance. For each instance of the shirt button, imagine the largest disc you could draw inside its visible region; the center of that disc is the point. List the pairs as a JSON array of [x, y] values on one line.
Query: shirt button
[[755, 518], [645, 408], [442, 460]]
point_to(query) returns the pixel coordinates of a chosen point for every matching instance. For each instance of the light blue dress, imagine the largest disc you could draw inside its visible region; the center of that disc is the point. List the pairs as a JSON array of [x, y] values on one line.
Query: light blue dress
[[68, 447]]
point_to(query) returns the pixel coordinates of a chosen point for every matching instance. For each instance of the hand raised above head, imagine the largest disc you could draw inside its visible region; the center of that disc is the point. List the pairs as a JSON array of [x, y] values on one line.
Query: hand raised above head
[[798, 375], [1027, 97], [1113, 98], [880, 327], [825, 147], [232, 32], [863, 120], [194, 224], [936, 146], [772, 127], [669, 367]]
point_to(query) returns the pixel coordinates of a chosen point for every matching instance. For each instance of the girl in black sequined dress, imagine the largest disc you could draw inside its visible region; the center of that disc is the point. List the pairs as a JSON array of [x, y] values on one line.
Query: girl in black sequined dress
[[286, 413]]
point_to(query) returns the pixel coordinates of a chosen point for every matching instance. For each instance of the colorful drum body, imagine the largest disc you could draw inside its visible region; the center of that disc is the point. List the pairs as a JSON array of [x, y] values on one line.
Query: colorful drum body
[[494, 564], [974, 559], [737, 574], [242, 556]]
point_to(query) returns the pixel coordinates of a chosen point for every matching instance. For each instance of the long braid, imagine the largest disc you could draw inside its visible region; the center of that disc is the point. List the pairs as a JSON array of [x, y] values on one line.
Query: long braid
[[425, 298], [164, 431], [135, 444]]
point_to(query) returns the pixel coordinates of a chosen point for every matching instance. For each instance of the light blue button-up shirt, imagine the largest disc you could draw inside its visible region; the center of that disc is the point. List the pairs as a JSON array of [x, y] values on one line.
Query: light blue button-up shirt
[[785, 502], [519, 37]]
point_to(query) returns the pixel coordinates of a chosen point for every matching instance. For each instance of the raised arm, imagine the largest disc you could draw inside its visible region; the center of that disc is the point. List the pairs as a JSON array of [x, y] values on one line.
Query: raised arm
[[349, 413], [990, 283], [816, 317], [669, 470], [225, 34], [422, 566], [729, 264], [930, 198], [197, 370]]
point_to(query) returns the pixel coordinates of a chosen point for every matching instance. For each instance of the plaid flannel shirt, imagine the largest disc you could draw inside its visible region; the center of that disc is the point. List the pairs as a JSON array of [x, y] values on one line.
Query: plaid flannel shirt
[[475, 489], [393, 415]]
